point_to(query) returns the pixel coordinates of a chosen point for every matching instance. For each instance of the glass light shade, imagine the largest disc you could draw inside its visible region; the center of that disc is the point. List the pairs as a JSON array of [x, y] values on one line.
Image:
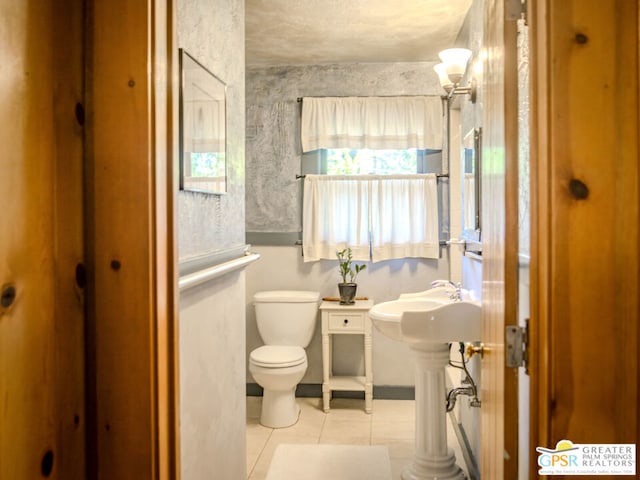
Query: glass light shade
[[455, 60], [441, 70]]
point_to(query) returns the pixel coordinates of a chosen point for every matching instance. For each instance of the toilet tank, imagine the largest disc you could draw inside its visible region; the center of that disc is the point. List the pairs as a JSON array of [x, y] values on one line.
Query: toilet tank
[[286, 317]]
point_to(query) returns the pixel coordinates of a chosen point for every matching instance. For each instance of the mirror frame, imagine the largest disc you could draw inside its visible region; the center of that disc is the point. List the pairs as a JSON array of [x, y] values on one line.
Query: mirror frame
[[473, 141], [196, 79]]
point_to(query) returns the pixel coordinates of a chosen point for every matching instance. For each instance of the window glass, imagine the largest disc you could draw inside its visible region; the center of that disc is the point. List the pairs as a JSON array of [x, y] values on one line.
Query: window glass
[[345, 161]]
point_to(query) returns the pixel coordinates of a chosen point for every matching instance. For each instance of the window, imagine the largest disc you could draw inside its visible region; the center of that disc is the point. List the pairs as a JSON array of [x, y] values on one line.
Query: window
[[350, 161], [370, 181], [345, 161], [340, 208]]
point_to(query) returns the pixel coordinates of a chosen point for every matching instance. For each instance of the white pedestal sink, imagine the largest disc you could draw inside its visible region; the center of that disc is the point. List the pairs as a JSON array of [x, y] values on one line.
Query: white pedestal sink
[[428, 324]]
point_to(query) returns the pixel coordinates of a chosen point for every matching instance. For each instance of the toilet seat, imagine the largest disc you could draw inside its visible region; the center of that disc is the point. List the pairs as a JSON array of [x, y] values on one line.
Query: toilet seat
[[277, 356]]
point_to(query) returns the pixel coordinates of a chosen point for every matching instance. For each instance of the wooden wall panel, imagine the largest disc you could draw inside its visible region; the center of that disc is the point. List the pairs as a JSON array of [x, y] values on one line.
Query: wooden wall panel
[[130, 424], [585, 284], [41, 333], [68, 67], [130, 240], [119, 248]]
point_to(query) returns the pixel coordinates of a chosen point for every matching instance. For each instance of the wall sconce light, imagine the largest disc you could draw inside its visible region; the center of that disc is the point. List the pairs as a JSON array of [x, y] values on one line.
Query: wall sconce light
[[451, 71]]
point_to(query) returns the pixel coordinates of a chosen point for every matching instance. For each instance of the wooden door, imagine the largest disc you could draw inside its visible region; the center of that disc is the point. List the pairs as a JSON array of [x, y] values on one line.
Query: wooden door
[[42, 414], [585, 266], [499, 100]]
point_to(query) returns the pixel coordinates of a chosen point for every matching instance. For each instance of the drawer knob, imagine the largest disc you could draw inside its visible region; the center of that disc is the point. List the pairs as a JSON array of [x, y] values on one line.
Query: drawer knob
[[346, 321]]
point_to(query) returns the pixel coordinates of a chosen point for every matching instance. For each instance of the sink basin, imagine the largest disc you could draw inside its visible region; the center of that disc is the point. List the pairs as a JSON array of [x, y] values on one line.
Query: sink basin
[[428, 320], [437, 293], [387, 316]]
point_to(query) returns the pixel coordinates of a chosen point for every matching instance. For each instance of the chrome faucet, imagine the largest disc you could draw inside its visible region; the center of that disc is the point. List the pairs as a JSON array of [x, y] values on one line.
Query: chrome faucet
[[456, 295]]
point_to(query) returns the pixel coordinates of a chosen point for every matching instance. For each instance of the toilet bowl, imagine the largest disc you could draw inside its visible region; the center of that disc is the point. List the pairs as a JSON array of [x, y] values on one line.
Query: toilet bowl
[[286, 322], [278, 370]]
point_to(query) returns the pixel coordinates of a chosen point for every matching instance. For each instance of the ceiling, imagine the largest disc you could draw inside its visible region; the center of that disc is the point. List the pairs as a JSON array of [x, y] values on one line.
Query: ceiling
[[299, 32]]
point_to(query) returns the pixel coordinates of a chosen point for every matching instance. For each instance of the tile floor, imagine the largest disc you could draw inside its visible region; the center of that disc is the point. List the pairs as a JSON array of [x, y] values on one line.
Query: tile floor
[[390, 424]]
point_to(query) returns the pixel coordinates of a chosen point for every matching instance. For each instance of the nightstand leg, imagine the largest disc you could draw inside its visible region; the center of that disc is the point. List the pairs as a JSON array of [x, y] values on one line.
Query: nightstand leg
[[326, 368], [326, 397], [368, 386], [368, 398]]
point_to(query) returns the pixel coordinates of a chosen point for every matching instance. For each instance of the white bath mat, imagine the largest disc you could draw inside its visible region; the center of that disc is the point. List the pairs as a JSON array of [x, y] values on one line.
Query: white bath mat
[[330, 462]]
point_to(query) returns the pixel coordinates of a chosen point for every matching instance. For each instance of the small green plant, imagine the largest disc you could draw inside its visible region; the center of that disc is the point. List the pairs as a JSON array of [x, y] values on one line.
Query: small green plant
[[347, 267]]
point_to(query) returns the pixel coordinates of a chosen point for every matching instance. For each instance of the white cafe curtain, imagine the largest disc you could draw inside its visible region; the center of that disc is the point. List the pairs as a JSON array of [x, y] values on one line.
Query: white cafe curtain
[[405, 213], [372, 122], [381, 217], [335, 214]]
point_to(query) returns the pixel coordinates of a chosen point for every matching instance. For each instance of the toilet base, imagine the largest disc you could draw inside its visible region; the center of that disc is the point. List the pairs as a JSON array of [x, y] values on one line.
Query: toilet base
[[279, 408]]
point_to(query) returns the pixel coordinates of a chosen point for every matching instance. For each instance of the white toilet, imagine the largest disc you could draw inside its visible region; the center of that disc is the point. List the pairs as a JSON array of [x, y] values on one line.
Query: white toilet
[[286, 321]]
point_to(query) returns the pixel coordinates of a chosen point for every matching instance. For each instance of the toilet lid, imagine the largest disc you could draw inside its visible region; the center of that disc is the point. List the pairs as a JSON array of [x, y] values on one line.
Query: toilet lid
[[276, 356]]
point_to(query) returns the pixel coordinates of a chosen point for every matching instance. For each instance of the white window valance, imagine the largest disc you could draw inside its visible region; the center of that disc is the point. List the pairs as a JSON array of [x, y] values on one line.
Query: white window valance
[[381, 217], [397, 123]]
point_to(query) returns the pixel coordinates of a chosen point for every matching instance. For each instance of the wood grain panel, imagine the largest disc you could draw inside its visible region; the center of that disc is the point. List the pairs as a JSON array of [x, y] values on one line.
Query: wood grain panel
[[585, 293], [131, 251], [540, 249], [68, 92], [499, 455], [165, 112], [41, 332]]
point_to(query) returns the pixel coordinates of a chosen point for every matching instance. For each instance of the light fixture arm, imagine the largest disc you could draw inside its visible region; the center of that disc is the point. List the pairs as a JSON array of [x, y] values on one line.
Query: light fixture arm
[[471, 90]]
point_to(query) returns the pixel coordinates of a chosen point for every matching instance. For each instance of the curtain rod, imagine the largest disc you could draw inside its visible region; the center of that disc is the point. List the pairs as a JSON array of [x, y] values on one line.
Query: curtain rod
[[299, 99]]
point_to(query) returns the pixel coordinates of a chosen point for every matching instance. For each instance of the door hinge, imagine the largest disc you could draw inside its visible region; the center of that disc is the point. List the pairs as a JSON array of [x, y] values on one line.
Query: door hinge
[[517, 343]]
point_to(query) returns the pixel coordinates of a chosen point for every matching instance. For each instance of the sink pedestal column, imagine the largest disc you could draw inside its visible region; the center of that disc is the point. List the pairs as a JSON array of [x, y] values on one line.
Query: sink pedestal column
[[433, 459]]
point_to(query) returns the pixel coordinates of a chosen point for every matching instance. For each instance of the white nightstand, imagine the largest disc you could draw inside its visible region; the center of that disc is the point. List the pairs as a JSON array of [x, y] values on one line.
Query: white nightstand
[[346, 320]]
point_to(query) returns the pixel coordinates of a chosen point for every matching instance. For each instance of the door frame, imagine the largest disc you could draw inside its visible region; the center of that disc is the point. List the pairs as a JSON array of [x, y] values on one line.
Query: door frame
[[130, 211]]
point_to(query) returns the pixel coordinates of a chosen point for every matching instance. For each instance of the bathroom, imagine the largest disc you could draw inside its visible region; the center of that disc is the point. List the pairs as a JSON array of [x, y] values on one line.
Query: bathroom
[[271, 206], [122, 361]]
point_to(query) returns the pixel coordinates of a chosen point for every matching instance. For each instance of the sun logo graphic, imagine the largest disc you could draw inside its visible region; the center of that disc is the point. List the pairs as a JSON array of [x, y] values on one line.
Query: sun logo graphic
[[587, 459], [563, 456]]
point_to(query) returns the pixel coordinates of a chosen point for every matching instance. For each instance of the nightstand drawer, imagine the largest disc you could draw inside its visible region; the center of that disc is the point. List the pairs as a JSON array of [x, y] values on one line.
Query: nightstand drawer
[[345, 322]]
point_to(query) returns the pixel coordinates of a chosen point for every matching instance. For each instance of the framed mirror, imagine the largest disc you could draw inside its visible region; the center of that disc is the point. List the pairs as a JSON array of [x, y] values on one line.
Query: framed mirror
[[203, 127], [472, 188]]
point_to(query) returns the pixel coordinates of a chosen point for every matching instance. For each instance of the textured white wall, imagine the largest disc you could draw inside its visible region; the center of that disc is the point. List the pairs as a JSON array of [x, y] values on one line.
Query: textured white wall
[[212, 31], [212, 316], [455, 196], [212, 380]]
